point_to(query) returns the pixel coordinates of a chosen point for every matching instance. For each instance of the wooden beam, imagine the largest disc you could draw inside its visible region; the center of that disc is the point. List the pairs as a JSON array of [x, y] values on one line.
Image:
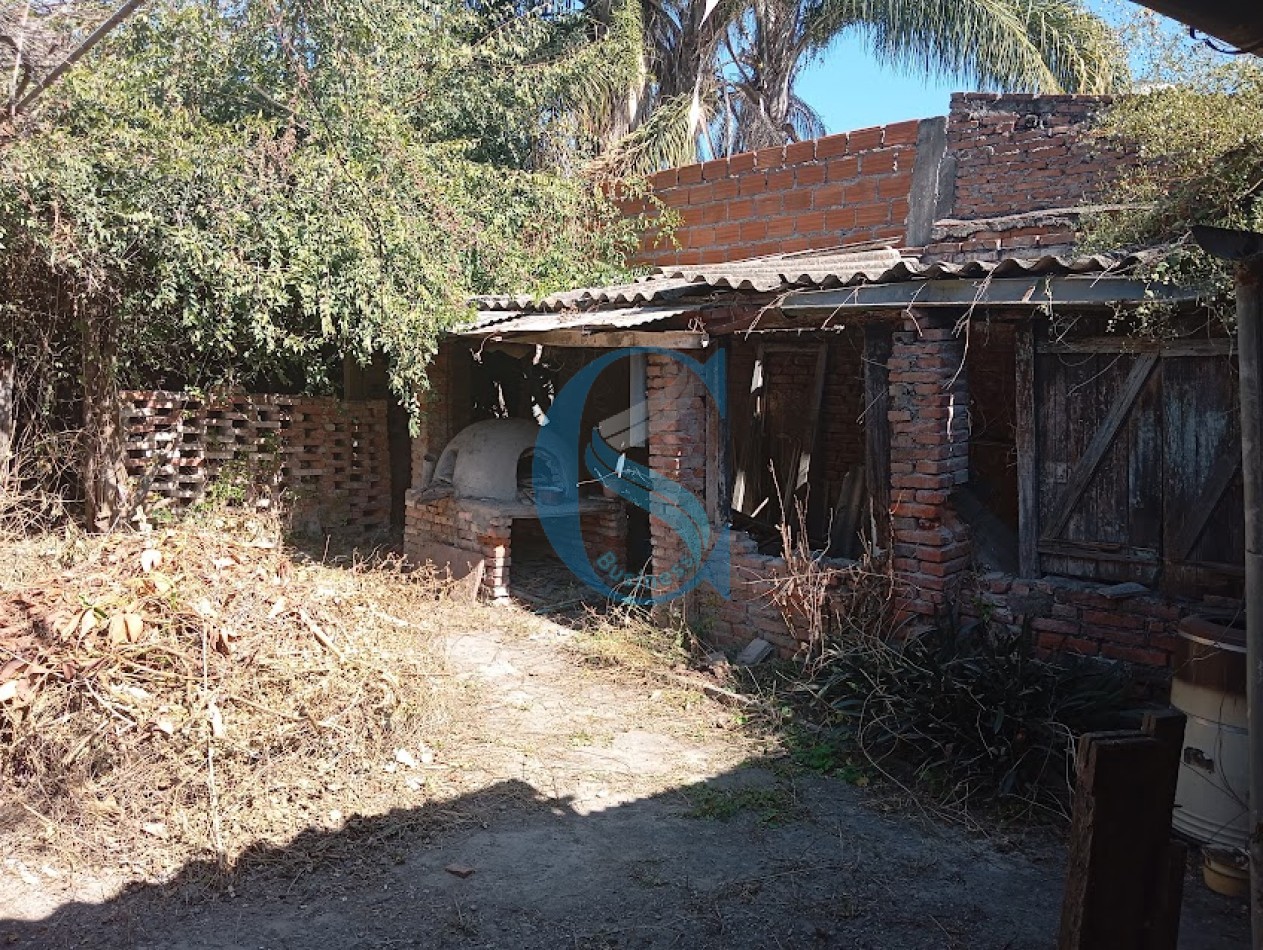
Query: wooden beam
[[1087, 466], [1118, 344], [1031, 292], [1026, 447], [878, 341], [612, 339]]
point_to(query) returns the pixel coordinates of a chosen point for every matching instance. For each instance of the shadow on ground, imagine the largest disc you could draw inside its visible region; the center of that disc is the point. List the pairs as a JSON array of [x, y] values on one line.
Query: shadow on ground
[[747, 859]]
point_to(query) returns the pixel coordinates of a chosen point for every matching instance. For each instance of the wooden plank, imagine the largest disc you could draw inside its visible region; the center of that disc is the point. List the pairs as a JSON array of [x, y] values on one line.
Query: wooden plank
[[611, 339], [1099, 551], [878, 341], [813, 416], [1198, 514], [1166, 877], [1112, 842], [1202, 492], [725, 454], [1101, 442], [1164, 921], [1027, 448], [1141, 485], [1124, 345]]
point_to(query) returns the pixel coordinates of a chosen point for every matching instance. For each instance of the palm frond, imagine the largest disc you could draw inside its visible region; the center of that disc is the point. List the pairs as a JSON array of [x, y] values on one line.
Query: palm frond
[[665, 139], [1021, 45]]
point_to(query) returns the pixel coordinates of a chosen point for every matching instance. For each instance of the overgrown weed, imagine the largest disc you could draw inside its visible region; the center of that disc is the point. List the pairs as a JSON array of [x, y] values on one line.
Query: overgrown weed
[[198, 690]]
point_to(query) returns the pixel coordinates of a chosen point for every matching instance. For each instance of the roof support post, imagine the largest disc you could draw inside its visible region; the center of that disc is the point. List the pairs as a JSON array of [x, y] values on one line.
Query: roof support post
[[1246, 250]]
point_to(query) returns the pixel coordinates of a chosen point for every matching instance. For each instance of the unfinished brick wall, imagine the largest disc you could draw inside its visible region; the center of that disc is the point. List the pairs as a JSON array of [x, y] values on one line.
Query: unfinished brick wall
[[481, 530], [1071, 616], [1012, 178], [677, 414], [840, 189], [1023, 165], [327, 459]]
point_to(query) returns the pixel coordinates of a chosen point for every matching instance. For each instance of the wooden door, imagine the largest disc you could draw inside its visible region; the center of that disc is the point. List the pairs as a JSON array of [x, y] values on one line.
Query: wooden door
[[1136, 471]]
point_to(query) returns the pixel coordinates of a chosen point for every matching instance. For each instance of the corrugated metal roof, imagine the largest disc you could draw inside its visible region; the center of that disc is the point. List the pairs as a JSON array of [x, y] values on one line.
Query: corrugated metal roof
[[808, 270], [517, 322]]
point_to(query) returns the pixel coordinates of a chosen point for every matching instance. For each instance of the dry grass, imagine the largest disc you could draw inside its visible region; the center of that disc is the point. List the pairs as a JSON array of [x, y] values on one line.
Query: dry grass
[[627, 639], [197, 691]]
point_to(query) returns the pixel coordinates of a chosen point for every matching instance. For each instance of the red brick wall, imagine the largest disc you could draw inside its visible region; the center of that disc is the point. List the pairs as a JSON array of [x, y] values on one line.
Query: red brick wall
[[842, 431], [1006, 155], [1014, 155], [840, 189]]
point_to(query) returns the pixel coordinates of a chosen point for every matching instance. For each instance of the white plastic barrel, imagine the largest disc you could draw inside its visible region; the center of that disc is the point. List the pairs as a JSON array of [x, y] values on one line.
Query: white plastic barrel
[[1212, 804]]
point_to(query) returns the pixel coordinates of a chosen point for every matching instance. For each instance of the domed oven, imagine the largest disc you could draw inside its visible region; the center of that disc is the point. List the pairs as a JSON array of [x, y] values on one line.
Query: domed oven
[[482, 494], [495, 460]]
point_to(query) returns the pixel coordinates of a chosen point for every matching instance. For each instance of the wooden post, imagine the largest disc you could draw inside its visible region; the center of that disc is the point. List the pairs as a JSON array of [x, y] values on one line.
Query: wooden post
[[877, 345], [1123, 879], [1245, 249], [1027, 462], [1250, 340]]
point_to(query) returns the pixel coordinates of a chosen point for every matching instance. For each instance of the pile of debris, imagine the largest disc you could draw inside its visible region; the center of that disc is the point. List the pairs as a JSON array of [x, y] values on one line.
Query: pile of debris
[[194, 691]]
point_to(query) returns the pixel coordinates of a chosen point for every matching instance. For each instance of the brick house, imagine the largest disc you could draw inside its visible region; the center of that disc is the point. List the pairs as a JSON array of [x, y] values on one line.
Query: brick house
[[914, 350]]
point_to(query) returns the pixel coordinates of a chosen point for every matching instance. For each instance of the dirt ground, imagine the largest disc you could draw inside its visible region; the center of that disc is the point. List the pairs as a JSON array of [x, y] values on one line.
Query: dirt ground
[[584, 808]]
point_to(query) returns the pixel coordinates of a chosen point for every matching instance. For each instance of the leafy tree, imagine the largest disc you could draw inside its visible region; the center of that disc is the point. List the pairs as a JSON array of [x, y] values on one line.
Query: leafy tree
[[252, 192]]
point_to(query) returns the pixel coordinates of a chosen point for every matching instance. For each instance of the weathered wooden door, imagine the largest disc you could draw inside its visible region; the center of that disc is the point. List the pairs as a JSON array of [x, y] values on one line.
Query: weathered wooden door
[[1137, 463]]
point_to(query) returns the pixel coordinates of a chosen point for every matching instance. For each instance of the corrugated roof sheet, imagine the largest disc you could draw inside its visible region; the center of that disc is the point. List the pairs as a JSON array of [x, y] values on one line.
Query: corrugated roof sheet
[[808, 270], [517, 322]]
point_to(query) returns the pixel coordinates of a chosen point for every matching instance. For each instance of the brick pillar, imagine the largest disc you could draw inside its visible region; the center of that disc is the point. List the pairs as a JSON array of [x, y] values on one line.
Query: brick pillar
[[677, 444], [929, 457], [493, 534]]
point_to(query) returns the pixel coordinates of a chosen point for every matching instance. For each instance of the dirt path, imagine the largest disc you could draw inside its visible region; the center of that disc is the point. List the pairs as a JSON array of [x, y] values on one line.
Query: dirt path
[[594, 812]]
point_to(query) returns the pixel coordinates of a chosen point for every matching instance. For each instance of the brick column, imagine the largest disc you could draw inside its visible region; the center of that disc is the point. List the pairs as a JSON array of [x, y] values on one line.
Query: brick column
[[677, 444], [929, 457]]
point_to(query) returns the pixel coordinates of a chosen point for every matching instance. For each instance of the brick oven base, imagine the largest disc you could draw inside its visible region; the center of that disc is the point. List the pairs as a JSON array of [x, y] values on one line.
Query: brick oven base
[[484, 530]]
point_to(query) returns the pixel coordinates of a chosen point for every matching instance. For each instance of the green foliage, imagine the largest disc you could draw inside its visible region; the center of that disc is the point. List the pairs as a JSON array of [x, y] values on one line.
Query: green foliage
[[770, 805], [1193, 118], [252, 192]]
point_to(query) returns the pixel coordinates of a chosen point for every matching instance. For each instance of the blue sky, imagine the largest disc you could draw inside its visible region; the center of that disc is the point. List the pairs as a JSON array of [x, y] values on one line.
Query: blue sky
[[852, 91]]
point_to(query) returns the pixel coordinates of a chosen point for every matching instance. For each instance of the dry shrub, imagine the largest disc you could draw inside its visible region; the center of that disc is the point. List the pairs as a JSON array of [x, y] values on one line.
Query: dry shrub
[[822, 599], [195, 691], [966, 712]]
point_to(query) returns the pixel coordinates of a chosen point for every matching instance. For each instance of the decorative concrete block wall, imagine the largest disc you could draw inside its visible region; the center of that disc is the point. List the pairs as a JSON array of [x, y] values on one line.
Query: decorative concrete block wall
[[327, 460]]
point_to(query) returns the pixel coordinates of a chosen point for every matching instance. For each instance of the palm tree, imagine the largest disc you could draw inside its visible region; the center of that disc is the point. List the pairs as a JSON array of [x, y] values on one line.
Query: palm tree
[[723, 73]]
